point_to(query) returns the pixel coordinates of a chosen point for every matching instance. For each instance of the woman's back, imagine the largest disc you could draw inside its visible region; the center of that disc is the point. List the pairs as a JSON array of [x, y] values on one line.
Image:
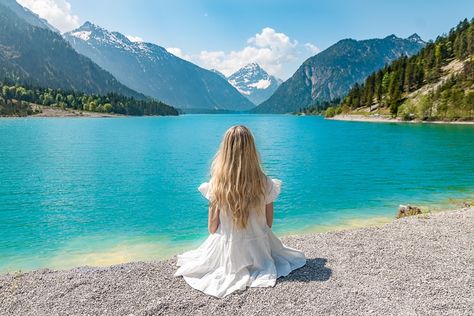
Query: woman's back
[[242, 250], [256, 223], [234, 258]]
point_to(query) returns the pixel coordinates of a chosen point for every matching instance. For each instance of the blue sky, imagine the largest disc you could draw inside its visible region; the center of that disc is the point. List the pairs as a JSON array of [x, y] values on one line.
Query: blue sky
[[222, 34]]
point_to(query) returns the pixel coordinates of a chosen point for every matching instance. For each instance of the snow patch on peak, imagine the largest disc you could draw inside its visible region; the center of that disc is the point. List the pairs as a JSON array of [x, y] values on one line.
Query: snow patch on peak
[[98, 37], [83, 35], [90, 26], [416, 38], [134, 39], [261, 84], [254, 82], [239, 88], [251, 66], [391, 37]]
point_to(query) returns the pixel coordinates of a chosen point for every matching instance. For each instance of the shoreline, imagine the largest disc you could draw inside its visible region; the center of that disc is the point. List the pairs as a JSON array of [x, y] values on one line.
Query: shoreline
[[51, 112], [385, 119], [148, 250], [359, 271], [128, 252]]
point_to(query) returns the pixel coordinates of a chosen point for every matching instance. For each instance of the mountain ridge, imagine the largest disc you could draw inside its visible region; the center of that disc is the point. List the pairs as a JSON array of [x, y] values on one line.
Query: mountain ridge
[[331, 73], [435, 84], [152, 70], [28, 15], [37, 56]]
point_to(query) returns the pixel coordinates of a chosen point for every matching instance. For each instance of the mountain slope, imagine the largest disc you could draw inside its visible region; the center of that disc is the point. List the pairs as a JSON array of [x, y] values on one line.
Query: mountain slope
[[331, 73], [150, 69], [27, 15], [435, 84], [219, 73], [254, 83], [39, 57]]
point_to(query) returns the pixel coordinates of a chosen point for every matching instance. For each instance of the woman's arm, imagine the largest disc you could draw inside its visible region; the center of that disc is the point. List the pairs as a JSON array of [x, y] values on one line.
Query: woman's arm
[[213, 220], [269, 214]]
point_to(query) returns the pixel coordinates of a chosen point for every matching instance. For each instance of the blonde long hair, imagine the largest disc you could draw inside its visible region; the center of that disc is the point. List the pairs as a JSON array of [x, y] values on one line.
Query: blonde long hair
[[237, 179]]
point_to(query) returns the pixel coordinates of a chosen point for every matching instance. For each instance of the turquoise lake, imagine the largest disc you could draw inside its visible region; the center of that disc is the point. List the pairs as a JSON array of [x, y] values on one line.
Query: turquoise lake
[[103, 191]]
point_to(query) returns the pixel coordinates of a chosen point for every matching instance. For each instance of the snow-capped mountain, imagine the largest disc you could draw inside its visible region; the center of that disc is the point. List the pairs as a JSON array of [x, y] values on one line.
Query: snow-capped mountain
[[32, 54], [254, 83], [152, 70]]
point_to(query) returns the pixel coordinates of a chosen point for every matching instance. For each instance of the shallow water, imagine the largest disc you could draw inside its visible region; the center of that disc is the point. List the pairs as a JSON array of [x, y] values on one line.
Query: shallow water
[[103, 191]]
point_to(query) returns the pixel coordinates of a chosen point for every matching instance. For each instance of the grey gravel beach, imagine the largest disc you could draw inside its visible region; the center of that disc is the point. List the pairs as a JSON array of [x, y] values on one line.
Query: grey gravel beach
[[421, 265]]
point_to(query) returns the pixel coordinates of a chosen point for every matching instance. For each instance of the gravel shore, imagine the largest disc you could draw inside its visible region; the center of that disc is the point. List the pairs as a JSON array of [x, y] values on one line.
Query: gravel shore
[[420, 265], [48, 111], [388, 119]]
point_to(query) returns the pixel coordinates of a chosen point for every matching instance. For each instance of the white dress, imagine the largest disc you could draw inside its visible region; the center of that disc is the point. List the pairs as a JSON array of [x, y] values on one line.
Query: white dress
[[232, 259]]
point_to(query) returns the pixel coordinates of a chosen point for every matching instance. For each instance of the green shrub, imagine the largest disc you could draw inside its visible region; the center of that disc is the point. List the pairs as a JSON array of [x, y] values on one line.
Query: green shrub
[[330, 112], [407, 111]]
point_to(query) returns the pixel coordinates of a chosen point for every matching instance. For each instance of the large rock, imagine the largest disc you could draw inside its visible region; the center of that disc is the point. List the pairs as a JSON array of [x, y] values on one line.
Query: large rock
[[408, 210]]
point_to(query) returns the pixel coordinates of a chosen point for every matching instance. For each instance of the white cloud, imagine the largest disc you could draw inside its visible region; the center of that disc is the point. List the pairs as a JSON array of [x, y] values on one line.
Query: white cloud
[[270, 38], [132, 38], [272, 50], [207, 59], [312, 48], [57, 12], [268, 48], [179, 53]]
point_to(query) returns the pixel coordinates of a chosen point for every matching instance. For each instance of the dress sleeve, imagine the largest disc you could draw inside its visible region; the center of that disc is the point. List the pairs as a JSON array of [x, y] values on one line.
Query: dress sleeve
[[273, 190], [204, 189]]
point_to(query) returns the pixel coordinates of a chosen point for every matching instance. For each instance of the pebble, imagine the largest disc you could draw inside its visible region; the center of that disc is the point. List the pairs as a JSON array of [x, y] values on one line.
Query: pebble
[[411, 266]]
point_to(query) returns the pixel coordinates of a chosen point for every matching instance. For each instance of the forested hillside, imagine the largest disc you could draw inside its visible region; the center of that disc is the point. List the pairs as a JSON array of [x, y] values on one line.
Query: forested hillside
[[35, 56], [38, 67], [331, 73], [435, 84], [18, 100]]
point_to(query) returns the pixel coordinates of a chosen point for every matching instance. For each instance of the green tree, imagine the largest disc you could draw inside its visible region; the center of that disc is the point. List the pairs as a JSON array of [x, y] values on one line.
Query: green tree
[[386, 82], [107, 107]]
